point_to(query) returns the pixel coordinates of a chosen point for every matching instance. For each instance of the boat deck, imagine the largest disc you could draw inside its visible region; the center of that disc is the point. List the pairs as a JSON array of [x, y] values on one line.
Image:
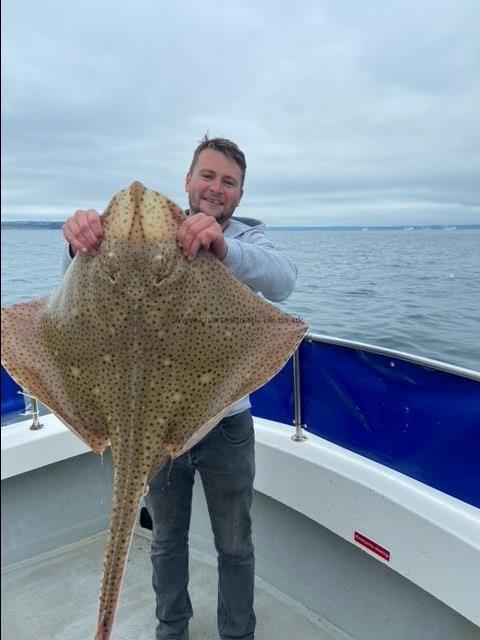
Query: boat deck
[[54, 597]]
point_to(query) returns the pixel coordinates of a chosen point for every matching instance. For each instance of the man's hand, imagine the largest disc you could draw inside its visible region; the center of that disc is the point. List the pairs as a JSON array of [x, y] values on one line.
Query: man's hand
[[200, 230], [83, 231]]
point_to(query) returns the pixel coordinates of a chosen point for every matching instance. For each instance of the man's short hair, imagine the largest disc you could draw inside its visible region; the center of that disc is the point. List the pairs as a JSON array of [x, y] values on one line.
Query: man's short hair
[[227, 147]]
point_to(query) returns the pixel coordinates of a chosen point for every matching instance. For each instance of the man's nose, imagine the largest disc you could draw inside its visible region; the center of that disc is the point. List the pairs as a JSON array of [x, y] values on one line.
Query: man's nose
[[216, 185]]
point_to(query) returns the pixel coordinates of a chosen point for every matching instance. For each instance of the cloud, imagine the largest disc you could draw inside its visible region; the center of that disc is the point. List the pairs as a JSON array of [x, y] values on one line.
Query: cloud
[[347, 111]]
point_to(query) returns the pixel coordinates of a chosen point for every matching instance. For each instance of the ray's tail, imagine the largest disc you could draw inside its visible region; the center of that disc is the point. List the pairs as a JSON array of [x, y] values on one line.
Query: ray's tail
[[127, 496]]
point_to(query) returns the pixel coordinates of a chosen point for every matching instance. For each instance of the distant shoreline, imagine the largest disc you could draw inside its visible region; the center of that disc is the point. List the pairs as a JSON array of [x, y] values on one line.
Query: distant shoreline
[[56, 224], [31, 224]]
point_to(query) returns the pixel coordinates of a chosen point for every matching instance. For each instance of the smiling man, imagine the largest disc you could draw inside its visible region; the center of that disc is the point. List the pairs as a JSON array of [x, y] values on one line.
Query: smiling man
[[214, 185], [225, 458]]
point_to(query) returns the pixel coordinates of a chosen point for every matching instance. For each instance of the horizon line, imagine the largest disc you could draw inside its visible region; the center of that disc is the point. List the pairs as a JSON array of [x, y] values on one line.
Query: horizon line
[[366, 227]]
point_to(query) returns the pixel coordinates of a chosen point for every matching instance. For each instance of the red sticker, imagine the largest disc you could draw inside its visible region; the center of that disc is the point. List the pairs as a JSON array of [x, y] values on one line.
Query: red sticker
[[372, 545]]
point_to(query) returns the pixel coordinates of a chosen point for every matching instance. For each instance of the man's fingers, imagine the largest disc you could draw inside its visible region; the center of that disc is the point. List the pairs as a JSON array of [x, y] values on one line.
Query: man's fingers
[[193, 224], [194, 249], [196, 231], [72, 235], [192, 244], [90, 229], [95, 224], [83, 231]]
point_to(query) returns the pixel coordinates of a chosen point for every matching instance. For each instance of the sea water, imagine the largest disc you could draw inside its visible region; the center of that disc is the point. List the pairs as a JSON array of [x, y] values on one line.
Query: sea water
[[416, 291]]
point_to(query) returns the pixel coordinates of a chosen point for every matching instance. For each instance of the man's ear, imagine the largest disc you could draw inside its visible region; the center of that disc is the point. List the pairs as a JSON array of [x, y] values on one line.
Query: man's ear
[[187, 181]]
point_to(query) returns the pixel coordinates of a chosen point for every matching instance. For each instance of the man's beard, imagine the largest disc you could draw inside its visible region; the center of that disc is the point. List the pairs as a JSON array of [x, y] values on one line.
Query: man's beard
[[224, 218]]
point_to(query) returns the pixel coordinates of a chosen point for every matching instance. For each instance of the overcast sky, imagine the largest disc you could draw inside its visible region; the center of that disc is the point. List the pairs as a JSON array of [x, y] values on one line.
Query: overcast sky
[[349, 111]]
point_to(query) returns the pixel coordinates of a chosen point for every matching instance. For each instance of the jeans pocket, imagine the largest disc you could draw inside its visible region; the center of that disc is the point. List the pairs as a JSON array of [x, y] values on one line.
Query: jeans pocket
[[237, 429]]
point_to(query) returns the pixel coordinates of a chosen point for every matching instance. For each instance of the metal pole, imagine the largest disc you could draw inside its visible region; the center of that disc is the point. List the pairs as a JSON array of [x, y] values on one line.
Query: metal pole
[[36, 424], [32, 411], [299, 435]]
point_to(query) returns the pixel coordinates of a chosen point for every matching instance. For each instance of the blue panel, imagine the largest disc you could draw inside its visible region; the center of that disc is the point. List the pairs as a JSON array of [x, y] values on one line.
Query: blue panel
[[420, 421], [274, 401], [12, 402]]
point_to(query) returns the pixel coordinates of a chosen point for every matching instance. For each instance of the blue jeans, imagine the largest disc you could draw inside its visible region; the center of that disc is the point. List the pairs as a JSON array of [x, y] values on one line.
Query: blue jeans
[[225, 459]]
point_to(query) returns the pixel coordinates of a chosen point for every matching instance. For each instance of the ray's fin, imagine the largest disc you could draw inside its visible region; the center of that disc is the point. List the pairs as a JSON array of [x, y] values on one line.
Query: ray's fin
[[36, 365]]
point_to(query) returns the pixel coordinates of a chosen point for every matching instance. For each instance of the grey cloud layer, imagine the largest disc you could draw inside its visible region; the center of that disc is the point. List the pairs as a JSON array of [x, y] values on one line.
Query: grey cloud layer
[[350, 113]]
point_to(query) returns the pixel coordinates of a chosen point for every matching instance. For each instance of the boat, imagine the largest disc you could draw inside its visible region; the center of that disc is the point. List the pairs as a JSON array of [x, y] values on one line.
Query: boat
[[366, 510]]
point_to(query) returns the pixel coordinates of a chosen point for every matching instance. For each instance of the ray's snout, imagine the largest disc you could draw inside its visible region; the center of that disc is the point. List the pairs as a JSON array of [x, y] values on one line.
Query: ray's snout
[[138, 215], [137, 234]]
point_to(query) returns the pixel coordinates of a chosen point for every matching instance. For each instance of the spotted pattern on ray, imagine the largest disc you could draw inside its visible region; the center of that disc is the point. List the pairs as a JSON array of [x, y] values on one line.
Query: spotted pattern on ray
[[144, 351]]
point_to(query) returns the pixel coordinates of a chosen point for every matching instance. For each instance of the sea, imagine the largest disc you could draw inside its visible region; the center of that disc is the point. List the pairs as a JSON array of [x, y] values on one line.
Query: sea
[[416, 290]]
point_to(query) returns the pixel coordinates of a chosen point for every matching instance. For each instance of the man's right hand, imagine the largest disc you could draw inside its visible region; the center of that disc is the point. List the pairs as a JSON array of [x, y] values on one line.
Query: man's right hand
[[83, 231]]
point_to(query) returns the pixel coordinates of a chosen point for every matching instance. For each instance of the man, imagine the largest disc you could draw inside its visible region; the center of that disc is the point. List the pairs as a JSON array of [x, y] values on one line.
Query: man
[[225, 457]]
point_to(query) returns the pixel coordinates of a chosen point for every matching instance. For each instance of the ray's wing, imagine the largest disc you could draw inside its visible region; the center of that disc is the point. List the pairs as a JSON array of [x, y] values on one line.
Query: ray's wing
[[35, 356], [222, 342]]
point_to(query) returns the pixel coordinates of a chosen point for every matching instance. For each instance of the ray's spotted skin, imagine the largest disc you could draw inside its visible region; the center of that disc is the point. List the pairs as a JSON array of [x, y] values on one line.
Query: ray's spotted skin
[[144, 351]]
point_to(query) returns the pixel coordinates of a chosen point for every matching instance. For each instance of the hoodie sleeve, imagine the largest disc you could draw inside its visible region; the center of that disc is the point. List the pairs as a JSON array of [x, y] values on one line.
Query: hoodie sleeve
[[66, 258], [253, 259]]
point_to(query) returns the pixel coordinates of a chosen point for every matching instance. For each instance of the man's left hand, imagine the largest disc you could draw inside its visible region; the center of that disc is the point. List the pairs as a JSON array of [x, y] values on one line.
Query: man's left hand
[[200, 230]]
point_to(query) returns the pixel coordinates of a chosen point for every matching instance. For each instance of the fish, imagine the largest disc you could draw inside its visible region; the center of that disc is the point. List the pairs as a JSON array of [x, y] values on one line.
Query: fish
[[143, 351]]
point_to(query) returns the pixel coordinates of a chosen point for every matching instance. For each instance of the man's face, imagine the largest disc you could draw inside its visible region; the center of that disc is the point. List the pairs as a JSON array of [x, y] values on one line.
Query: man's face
[[214, 186]]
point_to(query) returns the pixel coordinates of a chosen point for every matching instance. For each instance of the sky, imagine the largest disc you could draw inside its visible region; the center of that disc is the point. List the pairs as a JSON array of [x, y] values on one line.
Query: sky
[[349, 112]]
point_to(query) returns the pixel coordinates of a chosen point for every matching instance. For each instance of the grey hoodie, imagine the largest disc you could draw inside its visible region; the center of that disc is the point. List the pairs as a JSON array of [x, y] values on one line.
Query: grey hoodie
[[253, 259]]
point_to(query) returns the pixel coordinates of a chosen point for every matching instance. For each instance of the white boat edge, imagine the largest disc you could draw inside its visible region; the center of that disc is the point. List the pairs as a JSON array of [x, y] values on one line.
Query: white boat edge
[[431, 538]]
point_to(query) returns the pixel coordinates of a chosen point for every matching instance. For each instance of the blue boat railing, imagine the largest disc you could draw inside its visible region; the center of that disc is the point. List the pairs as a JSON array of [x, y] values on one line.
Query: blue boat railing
[[417, 416], [12, 399]]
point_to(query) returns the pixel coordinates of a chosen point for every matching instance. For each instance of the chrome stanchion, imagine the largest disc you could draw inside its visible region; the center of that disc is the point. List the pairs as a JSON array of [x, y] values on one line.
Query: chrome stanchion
[[299, 435], [32, 411]]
